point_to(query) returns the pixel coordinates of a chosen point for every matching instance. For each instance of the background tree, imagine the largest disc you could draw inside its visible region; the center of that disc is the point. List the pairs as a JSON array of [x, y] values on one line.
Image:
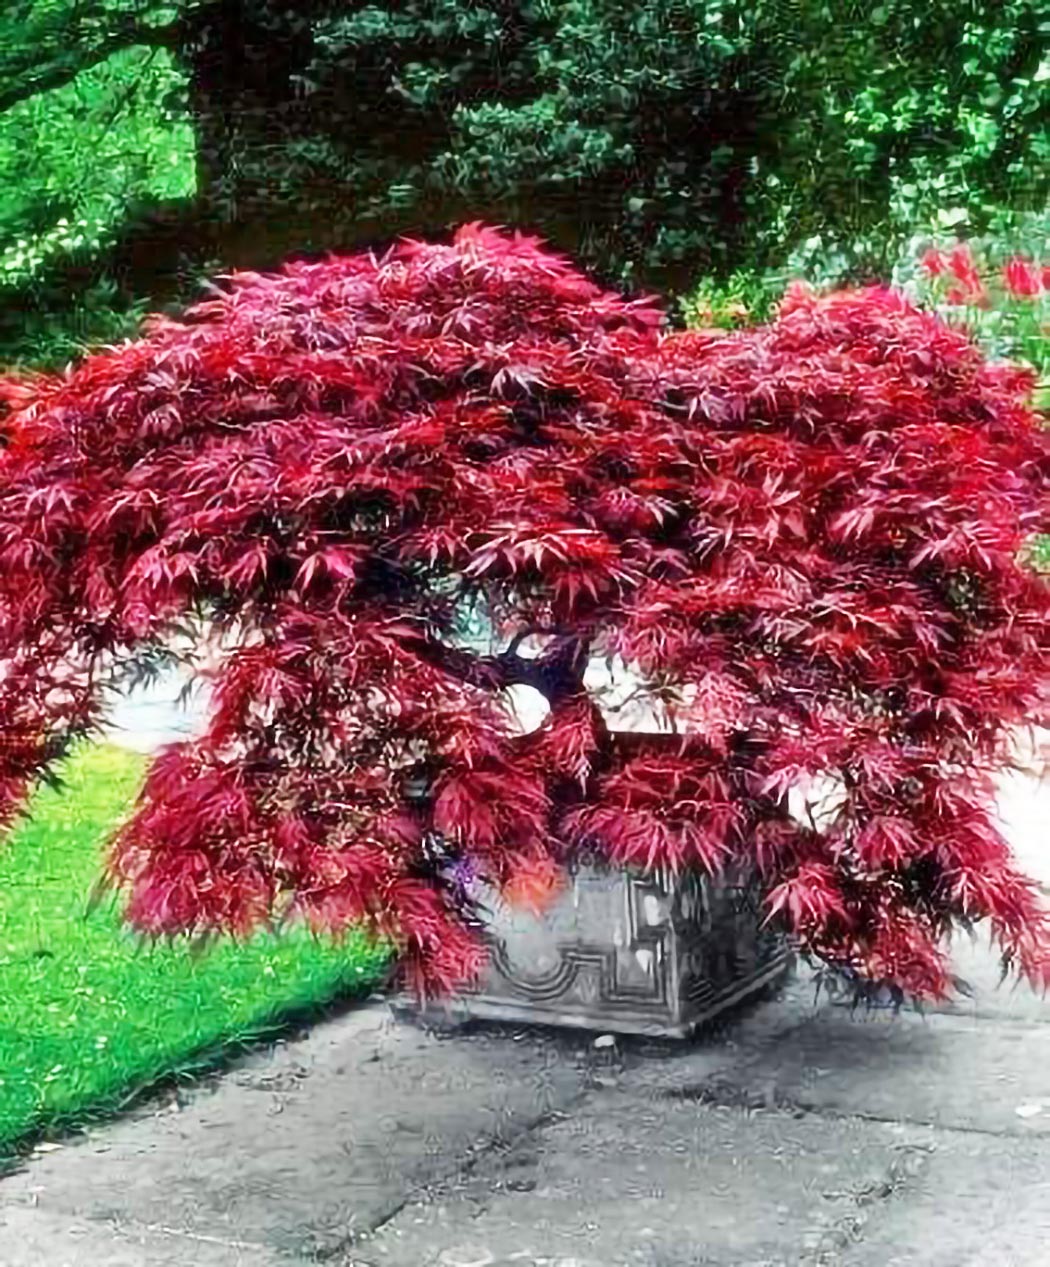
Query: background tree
[[93, 129], [905, 114], [656, 140], [407, 487]]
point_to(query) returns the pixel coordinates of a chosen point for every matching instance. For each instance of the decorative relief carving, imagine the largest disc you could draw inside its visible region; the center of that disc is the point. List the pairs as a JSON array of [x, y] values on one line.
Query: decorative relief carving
[[623, 952]]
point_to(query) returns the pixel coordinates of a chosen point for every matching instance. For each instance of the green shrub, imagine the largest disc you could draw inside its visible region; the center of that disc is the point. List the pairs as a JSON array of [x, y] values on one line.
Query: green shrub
[[653, 139], [44, 330], [744, 298]]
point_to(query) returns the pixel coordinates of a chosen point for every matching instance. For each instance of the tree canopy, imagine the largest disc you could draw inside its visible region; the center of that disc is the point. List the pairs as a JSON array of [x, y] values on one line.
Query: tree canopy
[[407, 487]]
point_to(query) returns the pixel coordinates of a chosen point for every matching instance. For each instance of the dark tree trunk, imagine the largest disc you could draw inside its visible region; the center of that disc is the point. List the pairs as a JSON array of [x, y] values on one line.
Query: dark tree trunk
[[242, 59]]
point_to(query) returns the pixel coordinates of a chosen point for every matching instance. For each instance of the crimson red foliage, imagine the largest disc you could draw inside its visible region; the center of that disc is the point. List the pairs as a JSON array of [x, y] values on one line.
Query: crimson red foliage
[[808, 531]]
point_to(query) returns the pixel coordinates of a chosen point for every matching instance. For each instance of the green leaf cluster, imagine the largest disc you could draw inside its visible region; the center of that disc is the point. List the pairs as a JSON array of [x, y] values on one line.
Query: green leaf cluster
[[95, 125], [652, 138], [74, 159]]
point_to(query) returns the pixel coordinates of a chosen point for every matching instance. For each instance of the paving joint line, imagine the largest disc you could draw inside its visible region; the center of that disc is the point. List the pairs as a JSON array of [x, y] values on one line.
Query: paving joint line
[[473, 1158], [124, 1224], [734, 1096]]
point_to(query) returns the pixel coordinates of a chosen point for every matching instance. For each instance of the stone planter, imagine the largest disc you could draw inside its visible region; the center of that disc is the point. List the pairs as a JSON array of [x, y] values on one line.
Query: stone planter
[[629, 954]]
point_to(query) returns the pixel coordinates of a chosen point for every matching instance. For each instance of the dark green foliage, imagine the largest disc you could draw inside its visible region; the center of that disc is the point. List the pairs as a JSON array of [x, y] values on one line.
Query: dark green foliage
[[653, 140], [53, 330], [616, 130]]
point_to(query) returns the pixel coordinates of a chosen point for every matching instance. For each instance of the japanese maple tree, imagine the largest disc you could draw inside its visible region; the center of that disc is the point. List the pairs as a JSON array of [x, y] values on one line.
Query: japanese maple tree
[[800, 541]]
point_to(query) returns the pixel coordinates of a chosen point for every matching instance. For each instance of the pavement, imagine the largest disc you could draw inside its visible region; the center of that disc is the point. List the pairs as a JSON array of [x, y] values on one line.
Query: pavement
[[797, 1133]]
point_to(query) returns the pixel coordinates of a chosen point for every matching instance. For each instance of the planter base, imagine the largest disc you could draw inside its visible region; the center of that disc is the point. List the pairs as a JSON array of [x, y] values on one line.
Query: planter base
[[628, 954]]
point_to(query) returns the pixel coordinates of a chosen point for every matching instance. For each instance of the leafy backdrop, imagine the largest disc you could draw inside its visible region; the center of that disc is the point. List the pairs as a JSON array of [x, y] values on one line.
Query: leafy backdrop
[[142, 143]]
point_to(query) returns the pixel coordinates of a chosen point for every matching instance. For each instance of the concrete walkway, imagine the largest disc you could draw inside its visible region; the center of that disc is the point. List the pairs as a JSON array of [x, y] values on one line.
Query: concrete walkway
[[798, 1134]]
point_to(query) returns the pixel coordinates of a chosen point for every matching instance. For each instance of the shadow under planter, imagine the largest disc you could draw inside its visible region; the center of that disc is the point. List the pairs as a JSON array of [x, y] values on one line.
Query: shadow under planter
[[620, 952]]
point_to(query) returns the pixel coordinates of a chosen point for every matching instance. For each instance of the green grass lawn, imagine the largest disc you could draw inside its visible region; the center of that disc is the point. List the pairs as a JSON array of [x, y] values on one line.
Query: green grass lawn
[[89, 1015]]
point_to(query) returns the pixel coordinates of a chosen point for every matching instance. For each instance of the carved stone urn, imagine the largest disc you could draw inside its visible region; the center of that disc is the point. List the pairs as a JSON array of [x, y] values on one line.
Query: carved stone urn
[[627, 953]]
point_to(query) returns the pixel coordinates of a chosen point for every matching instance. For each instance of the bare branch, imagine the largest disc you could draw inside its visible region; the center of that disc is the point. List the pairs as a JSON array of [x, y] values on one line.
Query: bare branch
[[556, 674]]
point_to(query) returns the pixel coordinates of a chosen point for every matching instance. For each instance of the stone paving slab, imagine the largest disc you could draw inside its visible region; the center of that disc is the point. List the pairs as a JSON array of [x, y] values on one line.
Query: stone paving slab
[[948, 1071], [791, 1136], [668, 1183], [1023, 803], [300, 1147], [977, 963], [29, 1238], [839, 1140], [980, 1202], [150, 716]]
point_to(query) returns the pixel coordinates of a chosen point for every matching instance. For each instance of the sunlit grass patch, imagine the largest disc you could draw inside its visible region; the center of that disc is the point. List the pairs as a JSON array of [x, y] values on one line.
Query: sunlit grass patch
[[89, 1015]]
